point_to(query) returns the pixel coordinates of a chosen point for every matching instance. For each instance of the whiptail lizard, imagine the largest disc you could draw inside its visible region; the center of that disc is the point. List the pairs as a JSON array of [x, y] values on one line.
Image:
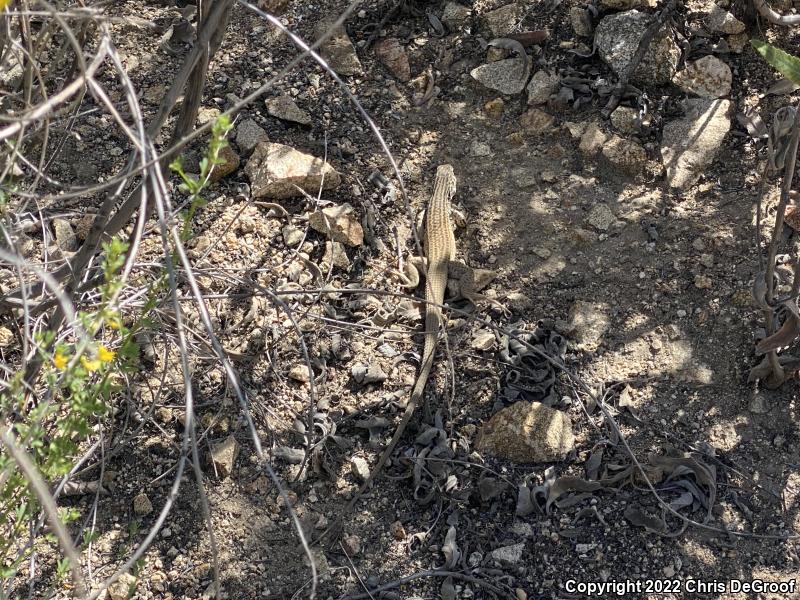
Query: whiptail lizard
[[443, 271], [439, 244]]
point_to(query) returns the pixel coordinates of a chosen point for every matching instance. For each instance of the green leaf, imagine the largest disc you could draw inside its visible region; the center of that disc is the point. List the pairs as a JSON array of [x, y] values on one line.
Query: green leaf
[[786, 64], [177, 165]]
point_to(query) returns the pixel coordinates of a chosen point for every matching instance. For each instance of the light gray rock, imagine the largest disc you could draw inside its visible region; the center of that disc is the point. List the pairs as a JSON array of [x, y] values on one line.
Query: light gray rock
[[503, 20], [276, 170], [581, 21], [689, 144], [223, 456], [617, 37], [707, 77], [541, 86], [721, 21], [248, 135], [286, 109], [507, 76], [455, 16]]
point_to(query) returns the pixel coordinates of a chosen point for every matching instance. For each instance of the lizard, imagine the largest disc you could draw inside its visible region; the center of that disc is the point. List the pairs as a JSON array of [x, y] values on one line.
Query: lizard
[[442, 272]]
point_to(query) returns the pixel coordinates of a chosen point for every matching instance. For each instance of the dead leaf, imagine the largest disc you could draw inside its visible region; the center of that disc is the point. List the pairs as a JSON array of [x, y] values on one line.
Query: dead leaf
[[452, 555], [490, 488], [568, 483], [592, 466], [448, 590], [684, 500], [786, 334], [752, 122], [782, 87], [525, 505], [639, 519]]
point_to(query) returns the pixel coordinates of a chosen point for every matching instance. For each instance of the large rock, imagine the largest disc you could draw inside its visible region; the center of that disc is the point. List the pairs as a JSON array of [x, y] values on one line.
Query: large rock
[[338, 50], [707, 77], [625, 156], [275, 171], [617, 37], [502, 21], [526, 433], [720, 20], [286, 109], [507, 76], [455, 16], [541, 86], [690, 144]]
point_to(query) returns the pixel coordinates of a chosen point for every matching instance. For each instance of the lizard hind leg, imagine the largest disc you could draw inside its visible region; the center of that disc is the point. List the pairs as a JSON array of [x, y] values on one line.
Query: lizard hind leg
[[410, 277]]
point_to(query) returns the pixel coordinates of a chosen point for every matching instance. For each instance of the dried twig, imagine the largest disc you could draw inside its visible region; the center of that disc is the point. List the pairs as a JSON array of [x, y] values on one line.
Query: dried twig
[[774, 17]]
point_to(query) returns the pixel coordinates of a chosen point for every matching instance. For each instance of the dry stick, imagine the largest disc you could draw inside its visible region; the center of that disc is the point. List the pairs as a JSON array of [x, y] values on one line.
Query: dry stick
[[184, 124], [788, 176], [774, 17], [39, 488], [644, 44]]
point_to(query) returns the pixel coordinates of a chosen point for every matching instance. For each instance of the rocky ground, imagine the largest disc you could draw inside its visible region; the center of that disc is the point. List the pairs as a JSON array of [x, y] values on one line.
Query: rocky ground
[[623, 248]]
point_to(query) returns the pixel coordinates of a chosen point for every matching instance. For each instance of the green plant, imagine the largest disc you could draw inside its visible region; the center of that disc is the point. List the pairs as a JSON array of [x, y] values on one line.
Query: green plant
[[193, 186], [79, 375], [785, 63]]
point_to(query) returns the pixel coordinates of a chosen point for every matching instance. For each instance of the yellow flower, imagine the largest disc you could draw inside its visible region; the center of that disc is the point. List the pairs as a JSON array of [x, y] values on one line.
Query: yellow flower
[[3, 4], [104, 354], [59, 359], [113, 321], [90, 365]]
